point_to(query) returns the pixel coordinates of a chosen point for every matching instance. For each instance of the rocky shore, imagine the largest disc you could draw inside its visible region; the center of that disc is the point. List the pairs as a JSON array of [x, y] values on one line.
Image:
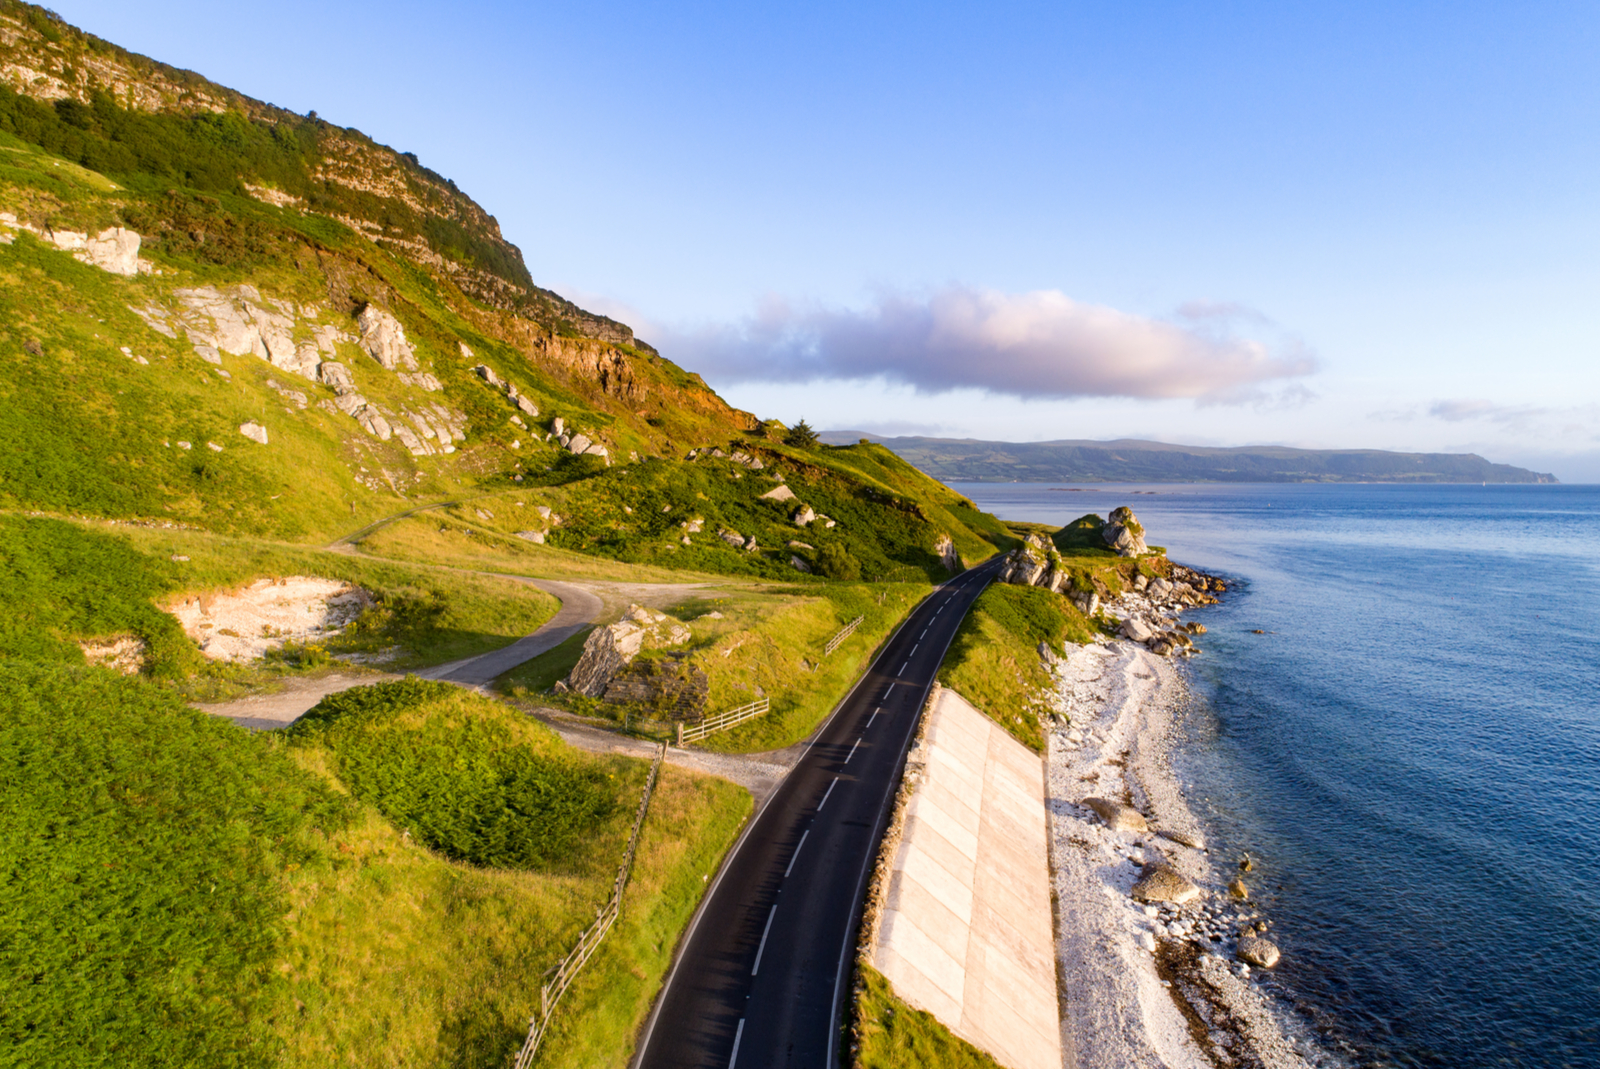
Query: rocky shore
[[1160, 952]]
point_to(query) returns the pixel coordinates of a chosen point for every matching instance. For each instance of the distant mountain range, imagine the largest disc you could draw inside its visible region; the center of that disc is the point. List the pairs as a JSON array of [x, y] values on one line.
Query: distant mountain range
[[1135, 461]]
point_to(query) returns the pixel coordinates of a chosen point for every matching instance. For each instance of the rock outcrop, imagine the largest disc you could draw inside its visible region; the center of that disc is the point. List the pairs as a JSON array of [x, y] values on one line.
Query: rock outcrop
[[115, 249], [669, 688], [609, 650], [384, 339], [1123, 533], [946, 548]]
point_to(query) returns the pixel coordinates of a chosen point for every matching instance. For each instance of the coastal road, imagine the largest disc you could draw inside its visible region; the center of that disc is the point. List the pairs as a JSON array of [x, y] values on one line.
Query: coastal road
[[760, 980]]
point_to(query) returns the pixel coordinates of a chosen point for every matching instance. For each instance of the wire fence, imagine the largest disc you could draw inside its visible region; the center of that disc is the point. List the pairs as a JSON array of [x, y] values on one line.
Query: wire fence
[[844, 633], [567, 968], [722, 721]]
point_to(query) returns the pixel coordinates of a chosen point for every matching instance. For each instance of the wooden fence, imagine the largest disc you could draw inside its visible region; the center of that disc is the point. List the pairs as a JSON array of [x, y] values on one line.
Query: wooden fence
[[722, 721], [589, 941], [844, 633]]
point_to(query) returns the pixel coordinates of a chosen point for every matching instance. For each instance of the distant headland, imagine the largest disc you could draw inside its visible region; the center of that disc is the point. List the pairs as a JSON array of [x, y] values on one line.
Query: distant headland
[[1130, 460]]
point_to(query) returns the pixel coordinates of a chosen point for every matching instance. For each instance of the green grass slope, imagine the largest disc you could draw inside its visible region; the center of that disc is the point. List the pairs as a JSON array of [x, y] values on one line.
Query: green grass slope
[[182, 892]]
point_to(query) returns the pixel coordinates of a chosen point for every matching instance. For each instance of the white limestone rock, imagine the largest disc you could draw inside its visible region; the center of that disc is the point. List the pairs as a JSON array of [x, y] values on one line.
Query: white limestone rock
[[779, 493], [384, 339], [254, 431], [336, 375], [115, 250]]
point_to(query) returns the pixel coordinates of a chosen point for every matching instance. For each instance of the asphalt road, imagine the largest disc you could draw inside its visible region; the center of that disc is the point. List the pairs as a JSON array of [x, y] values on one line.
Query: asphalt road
[[760, 981]]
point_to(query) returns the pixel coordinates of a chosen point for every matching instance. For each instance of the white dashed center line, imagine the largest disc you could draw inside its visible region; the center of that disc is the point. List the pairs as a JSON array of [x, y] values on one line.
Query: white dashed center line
[[762, 949], [825, 794], [737, 1035], [798, 845], [852, 752]]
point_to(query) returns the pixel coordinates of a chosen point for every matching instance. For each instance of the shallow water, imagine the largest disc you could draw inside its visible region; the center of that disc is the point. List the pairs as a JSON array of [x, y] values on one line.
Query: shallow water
[[1410, 754]]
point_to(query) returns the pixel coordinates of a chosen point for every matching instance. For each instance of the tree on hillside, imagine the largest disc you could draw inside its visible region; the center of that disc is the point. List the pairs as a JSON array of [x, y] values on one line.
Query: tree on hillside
[[801, 436]]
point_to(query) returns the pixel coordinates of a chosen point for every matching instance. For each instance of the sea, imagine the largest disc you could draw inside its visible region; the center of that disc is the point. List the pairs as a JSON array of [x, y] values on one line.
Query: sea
[[1396, 715]]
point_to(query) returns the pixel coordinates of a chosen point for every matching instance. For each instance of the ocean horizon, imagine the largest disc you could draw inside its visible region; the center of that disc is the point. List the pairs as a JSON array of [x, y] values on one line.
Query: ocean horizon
[[1394, 714]]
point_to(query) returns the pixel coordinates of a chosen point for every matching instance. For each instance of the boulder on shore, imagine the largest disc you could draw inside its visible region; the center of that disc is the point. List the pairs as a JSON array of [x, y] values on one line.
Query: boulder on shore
[[1118, 817], [1135, 631], [1164, 884], [1254, 950]]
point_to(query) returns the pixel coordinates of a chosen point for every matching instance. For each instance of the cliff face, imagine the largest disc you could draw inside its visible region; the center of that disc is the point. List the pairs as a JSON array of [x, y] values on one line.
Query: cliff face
[[90, 94], [254, 241]]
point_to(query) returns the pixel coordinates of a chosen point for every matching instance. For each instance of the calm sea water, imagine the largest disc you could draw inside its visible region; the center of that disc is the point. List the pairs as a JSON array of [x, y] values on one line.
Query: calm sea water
[[1411, 753]]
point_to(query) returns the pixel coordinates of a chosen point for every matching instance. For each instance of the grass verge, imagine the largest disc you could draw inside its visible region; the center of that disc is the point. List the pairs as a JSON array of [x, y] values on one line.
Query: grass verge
[[890, 1034]]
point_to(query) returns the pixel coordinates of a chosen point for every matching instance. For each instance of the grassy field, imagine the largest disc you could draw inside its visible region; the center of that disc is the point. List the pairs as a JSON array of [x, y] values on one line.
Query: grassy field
[[184, 892], [145, 847], [889, 1034]]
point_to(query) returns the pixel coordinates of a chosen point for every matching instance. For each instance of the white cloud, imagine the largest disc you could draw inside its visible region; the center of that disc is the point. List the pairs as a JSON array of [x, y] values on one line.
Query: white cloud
[[1042, 344], [1578, 422]]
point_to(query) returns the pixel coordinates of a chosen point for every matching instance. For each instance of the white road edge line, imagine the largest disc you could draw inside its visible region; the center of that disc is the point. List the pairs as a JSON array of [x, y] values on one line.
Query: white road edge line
[[827, 792], [737, 1035], [852, 752], [797, 847], [762, 949]]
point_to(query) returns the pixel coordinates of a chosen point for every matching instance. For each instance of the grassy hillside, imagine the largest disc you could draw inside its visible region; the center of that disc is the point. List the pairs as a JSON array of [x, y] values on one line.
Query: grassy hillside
[[70, 583], [184, 892]]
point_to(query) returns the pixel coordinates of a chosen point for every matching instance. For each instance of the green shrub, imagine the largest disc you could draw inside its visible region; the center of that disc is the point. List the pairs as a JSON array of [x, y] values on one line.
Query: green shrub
[[142, 844], [835, 562], [462, 782]]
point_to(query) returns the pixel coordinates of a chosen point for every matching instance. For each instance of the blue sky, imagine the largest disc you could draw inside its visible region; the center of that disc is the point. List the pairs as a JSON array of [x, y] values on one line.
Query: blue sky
[[1318, 224]]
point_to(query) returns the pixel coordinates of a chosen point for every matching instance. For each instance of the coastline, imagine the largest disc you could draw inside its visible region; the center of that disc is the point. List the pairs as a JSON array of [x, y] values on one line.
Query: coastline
[[1144, 983]]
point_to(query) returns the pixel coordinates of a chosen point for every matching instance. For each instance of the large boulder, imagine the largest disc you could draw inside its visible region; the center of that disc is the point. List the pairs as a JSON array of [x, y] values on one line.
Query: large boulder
[[1123, 533], [1162, 883], [946, 548], [1118, 817], [1136, 631], [779, 493], [115, 250], [1254, 950], [608, 650]]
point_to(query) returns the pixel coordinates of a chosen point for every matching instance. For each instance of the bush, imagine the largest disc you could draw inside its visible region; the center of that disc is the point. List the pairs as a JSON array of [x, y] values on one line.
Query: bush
[[431, 759], [835, 562]]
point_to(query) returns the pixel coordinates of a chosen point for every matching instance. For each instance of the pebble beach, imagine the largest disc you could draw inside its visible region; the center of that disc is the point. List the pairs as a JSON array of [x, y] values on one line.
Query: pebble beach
[[1152, 943]]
